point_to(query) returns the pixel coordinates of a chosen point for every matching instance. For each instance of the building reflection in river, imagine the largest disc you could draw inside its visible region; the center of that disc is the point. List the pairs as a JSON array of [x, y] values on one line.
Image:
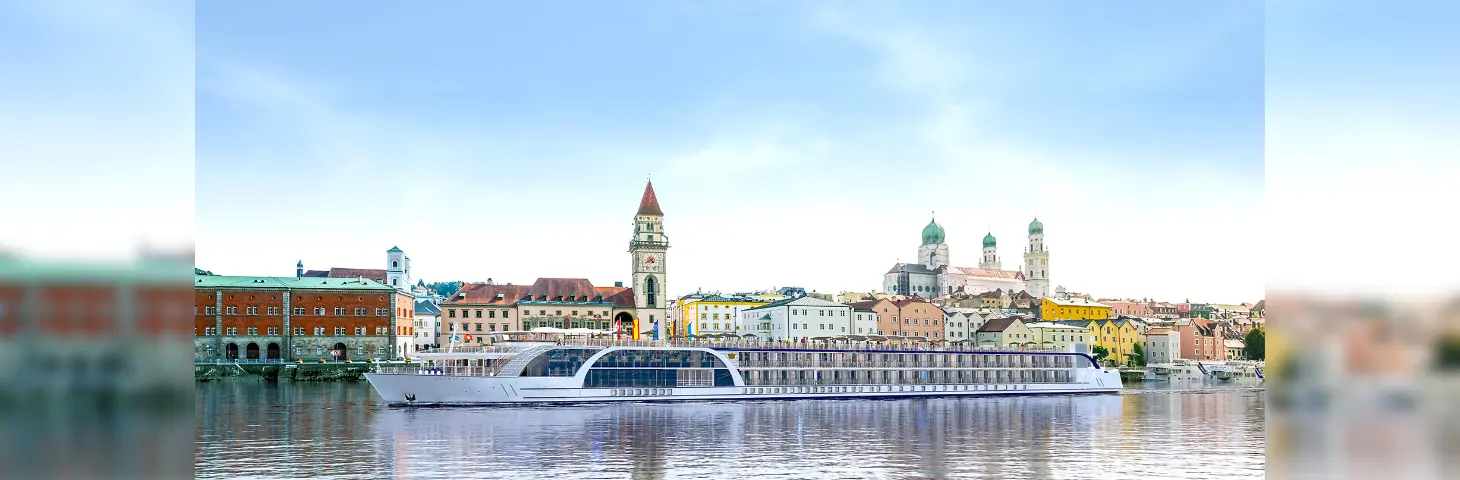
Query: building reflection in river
[[339, 430]]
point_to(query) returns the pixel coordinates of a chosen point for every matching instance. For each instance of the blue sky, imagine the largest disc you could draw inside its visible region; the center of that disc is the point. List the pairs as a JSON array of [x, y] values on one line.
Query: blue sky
[[791, 143], [799, 143]]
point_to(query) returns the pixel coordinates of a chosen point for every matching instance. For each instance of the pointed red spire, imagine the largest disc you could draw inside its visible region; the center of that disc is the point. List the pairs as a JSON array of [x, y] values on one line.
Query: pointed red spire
[[649, 205]]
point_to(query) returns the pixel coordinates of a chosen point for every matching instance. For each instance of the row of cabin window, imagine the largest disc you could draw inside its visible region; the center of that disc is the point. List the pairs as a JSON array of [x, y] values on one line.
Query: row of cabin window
[[339, 311], [893, 377], [210, 331]]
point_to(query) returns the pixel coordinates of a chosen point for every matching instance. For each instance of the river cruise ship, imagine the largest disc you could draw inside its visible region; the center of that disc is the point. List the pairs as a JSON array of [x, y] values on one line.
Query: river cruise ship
[[558, 368]]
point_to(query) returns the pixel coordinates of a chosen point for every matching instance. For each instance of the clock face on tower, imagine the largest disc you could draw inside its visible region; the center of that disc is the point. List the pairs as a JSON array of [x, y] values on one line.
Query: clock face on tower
[[649, 262]]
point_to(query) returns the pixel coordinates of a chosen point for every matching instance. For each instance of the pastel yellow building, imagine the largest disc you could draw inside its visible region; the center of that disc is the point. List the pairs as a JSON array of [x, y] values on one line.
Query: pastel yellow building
[[1128, 334], [1119, 337], [714, 314], [1055, 309]]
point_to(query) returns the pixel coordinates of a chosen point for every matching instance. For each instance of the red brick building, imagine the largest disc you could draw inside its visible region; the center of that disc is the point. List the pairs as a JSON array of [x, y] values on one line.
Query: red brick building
[[261, 318]]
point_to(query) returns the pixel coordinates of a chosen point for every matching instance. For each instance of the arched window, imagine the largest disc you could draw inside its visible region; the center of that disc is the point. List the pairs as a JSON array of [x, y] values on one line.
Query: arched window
[[394, 263], [651, 290]]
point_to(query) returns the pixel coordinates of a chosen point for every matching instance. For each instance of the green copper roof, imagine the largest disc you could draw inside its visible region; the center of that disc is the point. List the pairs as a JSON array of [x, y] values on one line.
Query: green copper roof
[[988, 240], [933, 233], [1036, 227], [321, 283], [394, 249]]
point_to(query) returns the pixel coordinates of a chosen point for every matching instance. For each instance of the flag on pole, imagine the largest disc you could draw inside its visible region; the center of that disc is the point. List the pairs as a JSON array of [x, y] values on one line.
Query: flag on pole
[[468, 337]]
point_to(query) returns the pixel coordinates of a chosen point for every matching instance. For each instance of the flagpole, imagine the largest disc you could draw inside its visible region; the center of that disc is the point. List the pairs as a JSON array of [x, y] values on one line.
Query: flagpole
[[451, 347]]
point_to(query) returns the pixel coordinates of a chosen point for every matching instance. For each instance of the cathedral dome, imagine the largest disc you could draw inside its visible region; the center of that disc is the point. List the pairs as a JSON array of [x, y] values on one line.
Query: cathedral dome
[[1036, 227], [933, 233], [988, 240]]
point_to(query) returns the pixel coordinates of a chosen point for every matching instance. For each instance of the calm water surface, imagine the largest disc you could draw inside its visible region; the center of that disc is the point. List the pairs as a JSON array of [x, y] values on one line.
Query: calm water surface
[[251, 429]]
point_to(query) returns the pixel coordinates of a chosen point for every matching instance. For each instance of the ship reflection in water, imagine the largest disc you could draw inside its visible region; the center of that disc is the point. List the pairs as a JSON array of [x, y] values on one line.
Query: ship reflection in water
[[338, 431]]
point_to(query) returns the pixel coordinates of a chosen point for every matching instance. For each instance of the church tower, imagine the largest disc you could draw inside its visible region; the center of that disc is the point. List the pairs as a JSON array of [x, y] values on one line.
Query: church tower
[[990, 253], [934, 252], [647, 250], [397, 269], [1036, 261]]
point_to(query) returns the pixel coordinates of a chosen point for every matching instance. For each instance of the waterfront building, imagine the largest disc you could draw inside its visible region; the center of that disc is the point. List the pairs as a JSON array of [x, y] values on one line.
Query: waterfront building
[[1162, 345], [397, 275], [933, 277], [961, 324], [1052, 308], [885, 309], [481, 309], [1005, 332], [1118, 337], [915, 318], [1058, 336], [715, 314], [798, 319], [260, 318], [69, 325], [864, 321], [1128, 334], [1201, 340], [1236, 349], [427, 324]]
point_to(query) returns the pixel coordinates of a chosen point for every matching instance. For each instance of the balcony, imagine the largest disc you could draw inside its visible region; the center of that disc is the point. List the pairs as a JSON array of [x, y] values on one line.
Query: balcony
[[664, 244]]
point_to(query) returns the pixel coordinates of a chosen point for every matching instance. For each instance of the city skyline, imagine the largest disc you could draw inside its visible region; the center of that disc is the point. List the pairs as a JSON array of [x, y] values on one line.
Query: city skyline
[[800, 144]]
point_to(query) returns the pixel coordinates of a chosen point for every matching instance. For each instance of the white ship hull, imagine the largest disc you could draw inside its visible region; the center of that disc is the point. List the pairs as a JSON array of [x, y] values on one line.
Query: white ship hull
[[399, 389], [433, 388]]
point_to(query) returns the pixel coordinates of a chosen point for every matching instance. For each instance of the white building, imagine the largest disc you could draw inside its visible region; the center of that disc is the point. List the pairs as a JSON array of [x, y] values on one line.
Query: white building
[[796, 318], [864, 321], [427, 323], [933, 276], [1058, 336], [1162, 345], [961, 324]]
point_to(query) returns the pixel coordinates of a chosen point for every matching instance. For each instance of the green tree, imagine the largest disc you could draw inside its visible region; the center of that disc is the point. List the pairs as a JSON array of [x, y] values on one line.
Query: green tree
[[1449, 353], [1137, 356], [1255, 345], [1100, 353], [445, 289]]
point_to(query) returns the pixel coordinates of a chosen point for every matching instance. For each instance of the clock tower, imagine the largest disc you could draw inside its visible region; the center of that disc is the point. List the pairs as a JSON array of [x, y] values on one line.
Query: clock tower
[[647, 250]]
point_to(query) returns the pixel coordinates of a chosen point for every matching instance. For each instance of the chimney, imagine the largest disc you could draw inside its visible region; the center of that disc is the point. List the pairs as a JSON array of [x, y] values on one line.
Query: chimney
[[489, 281], [299, 269]]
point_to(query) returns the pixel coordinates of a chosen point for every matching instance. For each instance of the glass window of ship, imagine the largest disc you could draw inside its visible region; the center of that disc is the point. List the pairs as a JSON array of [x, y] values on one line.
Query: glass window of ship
[[878, 368]]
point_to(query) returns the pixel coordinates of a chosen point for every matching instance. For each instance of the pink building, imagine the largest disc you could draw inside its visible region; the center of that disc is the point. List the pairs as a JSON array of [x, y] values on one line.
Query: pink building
[[1201, 340], [1129, 308]]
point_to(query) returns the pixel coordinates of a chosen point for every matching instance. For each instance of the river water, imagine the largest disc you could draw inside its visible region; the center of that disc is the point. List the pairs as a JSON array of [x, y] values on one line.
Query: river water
[[255, 429]]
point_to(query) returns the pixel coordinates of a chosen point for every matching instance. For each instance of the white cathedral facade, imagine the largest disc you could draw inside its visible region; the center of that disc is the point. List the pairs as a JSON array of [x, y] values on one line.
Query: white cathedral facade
[[933, 275]]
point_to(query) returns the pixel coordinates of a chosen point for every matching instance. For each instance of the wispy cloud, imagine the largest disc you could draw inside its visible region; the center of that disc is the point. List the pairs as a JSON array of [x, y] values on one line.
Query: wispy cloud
[[824, 189]]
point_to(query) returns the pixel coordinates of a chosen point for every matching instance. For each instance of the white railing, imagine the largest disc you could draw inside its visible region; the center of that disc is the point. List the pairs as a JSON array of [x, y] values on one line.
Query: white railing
[[858, 346]]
